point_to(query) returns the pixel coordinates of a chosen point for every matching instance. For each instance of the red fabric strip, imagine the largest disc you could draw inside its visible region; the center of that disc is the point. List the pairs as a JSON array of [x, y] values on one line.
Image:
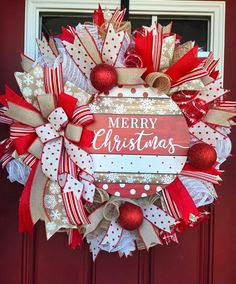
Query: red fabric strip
[[23, 143], [75, 238], [182, 199], [184, 65], [86, 138], [25, 218], [68, 103], [143, 46], [98, 17]]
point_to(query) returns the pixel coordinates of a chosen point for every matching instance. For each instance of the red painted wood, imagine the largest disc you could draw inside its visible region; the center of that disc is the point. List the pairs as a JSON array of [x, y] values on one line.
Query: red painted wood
[[11, 246], [206, 254]]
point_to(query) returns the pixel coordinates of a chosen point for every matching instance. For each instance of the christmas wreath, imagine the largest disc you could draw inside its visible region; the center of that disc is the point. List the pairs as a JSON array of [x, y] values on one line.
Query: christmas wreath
[[118, 137]]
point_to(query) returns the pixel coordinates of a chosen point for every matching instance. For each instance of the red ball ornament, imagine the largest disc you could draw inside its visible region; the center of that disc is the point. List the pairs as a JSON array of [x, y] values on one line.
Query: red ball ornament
[[202, 156], [103, 77], [131, 216]]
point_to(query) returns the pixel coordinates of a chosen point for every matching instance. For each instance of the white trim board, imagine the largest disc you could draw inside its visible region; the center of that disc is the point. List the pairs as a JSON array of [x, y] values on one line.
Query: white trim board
[[214, 9]]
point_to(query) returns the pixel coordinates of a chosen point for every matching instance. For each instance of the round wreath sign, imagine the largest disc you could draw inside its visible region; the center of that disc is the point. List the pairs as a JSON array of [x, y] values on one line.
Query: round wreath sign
[[118, 137]]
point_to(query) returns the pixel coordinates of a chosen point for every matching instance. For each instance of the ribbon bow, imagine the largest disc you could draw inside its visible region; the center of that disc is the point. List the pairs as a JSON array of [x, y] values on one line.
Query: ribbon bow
[[54, 134], [154, 219]]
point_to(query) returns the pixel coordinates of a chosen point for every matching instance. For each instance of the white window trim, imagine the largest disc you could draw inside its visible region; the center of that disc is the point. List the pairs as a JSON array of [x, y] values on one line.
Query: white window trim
[[213, 9]]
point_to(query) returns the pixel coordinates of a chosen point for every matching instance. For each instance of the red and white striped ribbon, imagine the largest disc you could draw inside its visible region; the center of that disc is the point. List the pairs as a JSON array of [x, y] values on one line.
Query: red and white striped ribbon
[[53, 80], [170, 205], [157, 48], [201, 175], [118, 15], [67, 165], [19, 130], [3, 118], [29, 160], [204, 69], [6, 151], [82, 115]]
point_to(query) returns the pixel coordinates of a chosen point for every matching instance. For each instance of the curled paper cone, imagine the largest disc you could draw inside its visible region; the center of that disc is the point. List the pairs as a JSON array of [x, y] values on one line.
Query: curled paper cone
[[158, 80]]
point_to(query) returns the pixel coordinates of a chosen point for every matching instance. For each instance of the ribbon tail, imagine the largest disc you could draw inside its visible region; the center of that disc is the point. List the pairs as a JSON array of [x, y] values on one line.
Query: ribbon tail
[[130, 76], [37, 208], [183, 200], [113, 235], [75, 238], [31, 207], [25, 217], [148, 235]]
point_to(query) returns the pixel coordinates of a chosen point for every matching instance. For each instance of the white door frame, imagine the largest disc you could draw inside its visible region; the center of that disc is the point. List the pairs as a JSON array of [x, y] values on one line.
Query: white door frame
[[214, 9]]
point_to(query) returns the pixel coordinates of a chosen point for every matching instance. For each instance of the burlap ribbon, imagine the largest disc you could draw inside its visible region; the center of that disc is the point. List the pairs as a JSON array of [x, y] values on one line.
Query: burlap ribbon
[[159, 80]]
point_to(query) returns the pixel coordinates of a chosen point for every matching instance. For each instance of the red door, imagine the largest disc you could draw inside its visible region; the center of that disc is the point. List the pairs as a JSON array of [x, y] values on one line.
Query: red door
[[206, 254]]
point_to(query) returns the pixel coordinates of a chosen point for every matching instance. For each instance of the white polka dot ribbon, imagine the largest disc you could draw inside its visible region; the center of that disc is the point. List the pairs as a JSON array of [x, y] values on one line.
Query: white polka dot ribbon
[[113, 235], [158, 217]]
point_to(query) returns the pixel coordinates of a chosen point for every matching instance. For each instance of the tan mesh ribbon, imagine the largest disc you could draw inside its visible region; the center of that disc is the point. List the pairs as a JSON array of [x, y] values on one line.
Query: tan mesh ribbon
[[118, 27], [219, 117], [159, 80], [36, 148], [100, 196], [47, 104], [23, 115]]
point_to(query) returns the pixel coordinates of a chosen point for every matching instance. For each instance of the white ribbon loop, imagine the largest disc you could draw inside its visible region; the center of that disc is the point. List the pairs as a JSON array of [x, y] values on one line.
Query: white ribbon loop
[[58, 118], [46, 133]]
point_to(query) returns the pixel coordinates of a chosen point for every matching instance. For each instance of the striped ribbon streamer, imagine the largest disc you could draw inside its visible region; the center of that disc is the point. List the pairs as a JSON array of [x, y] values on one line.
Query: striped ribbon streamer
[[170, 205], [118, 15], [201, 175], [204, 69], [29, 160], [157, 48], [53, 80], [20, 130], [3, 118]]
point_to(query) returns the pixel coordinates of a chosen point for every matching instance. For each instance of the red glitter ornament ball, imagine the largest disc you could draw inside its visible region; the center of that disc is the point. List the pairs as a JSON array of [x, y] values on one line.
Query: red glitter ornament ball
[[131, 216], [202, 156], [103, 77]]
